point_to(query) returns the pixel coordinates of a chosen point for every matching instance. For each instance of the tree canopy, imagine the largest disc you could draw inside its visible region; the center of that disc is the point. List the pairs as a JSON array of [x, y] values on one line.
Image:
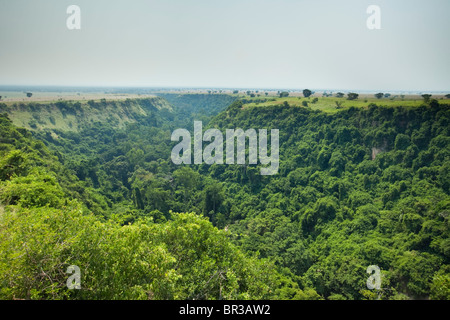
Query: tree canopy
[[357, 187]]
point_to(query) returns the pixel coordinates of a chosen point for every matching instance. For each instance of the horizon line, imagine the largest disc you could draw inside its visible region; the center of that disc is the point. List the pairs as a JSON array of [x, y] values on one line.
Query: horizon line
[[154, 87]]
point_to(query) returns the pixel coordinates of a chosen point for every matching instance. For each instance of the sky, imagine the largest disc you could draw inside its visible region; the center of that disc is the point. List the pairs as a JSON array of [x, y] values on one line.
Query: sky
[[317, 44]]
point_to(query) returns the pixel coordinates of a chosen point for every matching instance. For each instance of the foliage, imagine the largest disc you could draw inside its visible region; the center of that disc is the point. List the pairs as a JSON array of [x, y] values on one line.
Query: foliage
[[307, 93], [426, 97], [357, 187], [352, 96]]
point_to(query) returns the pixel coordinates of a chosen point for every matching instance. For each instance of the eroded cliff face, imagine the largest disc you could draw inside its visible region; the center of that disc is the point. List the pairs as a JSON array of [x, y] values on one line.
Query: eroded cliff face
[[71, 115]]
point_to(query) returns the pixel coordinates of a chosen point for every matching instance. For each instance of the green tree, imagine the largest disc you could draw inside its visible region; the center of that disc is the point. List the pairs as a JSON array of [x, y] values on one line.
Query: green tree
[[426, 97], [440, 286], [402, 141], [307, 93], [352, 96], [379, 95], [213, 198]]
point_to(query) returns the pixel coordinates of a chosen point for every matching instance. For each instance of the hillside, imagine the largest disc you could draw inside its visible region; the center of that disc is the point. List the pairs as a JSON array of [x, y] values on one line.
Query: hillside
[[49, 220], [71, 115], [356, 187], [359, 187]]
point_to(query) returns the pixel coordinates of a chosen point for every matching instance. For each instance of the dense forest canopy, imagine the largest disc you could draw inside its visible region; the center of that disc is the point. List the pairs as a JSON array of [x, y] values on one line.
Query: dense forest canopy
[[357, 187]]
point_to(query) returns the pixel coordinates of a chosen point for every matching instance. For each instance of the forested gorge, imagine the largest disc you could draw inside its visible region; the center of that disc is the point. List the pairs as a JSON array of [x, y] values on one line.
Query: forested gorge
[[359, 187]]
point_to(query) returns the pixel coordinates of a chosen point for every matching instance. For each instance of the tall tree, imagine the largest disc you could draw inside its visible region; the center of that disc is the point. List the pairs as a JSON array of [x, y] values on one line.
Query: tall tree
[[379, 95], [352, 96], [426, 97]]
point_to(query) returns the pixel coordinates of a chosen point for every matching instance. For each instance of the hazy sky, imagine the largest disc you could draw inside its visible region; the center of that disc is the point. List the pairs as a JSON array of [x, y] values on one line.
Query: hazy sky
[[318, 44]]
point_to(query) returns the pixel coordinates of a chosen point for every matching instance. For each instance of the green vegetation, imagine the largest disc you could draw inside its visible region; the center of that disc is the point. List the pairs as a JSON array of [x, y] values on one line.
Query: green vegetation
[[307, 93], [358, 185], [197, 106], [426, 97], [352, 96], [328, 104], [45, 227], [71, 115]]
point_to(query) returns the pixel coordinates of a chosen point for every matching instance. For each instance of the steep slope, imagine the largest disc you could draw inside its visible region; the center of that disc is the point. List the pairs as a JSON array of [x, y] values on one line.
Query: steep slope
[[71, 116], [197, 106], [337, 207], [359, 187], [44, 229]]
